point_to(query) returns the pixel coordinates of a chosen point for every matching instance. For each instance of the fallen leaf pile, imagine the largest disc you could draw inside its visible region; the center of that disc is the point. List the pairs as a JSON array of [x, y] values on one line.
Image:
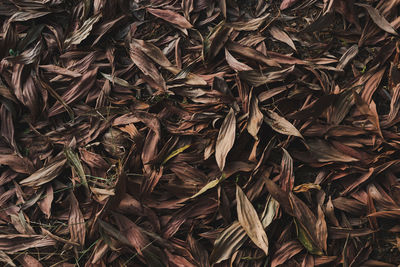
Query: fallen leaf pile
[[199, 133]]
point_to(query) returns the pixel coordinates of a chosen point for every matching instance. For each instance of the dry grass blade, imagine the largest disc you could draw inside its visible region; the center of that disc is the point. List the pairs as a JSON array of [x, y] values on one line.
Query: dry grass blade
[[248, 219]]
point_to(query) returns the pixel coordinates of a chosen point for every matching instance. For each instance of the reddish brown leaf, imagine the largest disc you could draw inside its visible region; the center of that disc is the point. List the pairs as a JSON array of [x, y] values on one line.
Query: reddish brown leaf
[[76, 222], [171, 17]]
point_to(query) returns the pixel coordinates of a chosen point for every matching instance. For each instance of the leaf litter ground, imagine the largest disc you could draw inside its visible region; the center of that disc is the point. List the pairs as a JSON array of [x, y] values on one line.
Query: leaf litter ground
[[198, 133]]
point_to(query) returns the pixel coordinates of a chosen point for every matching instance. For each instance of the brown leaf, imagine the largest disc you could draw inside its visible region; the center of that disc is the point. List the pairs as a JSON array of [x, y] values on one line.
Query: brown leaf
[[347, 57], [251, 54], [310, 234], [287, 3], [171, 17], [280, 124], [76, 222], [379, 20], [45, 174], [217, 40], [234, 63], [282, 36], [75, 92], [133, 233], [144, 64], [226, 138], [256, 78], [248, 219], [250, 25], [228, 242], [78, 36], [29, 261], [324, 152], [255, 117], [285, 252], [13, 243], [286, 176], [45, 204]]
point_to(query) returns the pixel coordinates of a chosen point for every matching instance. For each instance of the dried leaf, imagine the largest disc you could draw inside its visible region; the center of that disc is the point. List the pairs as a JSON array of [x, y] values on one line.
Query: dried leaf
[[282, 36], [76, 222], [78, 36], [234, 63], [308, 232], [144, 64], [255, 117], [379, 20], [171, 17], [287, 3], [226, 138], [285, 252], [228, 242], [280, 124], [324, 152], [45, 174], [248, 219]]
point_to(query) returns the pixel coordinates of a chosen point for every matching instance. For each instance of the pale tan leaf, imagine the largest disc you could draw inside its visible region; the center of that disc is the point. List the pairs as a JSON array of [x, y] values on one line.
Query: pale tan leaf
[[226, 138], [249, 220]]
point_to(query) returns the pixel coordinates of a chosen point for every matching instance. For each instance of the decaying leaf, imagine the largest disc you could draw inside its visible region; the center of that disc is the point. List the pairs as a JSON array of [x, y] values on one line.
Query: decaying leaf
[[379, 20], [226, 139], [78, 36], [229, 241], [287, 3], [280, 124], [248, 219], [255, 117], [45, 174], [76, 222], [130, 128], [282, 36], [171, 17]]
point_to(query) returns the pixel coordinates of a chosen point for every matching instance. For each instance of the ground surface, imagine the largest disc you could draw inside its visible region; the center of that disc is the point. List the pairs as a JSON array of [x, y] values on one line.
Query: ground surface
[[198, 133]]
